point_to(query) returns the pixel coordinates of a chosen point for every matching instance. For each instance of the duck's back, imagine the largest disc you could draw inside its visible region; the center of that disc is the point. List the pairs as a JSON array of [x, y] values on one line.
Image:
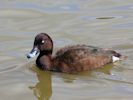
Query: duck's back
[[81, 58]]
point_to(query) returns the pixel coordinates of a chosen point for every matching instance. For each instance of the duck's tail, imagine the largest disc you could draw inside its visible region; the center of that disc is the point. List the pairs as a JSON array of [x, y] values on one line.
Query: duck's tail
[[117, 56]]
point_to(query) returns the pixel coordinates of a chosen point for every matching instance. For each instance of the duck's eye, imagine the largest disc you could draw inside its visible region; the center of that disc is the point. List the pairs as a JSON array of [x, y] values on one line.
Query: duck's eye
[[43, 41]]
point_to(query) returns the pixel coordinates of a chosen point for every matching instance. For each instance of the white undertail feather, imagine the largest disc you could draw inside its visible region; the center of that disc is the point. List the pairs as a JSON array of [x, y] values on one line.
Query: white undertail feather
[[114, 58]]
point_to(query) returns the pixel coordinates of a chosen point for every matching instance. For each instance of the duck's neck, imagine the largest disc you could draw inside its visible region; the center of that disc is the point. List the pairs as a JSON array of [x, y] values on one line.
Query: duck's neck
[[44, 60], [45, 52]]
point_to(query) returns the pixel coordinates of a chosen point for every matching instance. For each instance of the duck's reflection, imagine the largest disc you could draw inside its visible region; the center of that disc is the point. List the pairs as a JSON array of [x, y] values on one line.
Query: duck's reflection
[[43, 89]]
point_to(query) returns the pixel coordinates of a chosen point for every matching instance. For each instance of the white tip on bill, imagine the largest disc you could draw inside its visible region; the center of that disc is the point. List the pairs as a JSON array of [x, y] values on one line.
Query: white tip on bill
[[115, 58], [31, 55]]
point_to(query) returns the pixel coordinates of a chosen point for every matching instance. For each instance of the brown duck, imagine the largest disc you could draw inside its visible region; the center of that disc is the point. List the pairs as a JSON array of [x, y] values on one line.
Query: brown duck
[[70, 59]]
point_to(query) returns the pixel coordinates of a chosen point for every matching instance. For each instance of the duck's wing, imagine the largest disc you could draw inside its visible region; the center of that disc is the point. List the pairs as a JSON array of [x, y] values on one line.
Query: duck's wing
[[75, 48], [83, 57], [91, 50]]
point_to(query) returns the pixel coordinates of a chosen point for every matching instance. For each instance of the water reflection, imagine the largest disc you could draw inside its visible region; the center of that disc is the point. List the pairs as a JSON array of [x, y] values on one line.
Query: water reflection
[[43, 89]]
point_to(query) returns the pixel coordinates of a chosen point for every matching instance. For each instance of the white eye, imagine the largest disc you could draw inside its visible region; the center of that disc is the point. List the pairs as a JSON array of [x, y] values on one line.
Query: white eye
[[43, 41]]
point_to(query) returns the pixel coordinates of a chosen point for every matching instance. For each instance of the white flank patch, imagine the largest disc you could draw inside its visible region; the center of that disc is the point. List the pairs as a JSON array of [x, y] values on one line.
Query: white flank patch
[[115, 58]]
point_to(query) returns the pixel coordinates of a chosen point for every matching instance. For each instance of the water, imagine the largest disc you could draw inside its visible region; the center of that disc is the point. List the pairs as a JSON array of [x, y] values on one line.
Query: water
[[103, 23]]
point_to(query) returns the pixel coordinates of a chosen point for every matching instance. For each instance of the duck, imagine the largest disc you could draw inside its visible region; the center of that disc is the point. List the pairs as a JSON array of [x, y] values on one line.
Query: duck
[[70, 59]]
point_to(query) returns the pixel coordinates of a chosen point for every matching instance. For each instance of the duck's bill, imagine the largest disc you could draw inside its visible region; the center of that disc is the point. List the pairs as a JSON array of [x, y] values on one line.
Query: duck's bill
[[33, 53]]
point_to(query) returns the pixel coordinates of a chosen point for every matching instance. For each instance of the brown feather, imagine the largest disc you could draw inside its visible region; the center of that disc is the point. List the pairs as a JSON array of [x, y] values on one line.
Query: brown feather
[[70, 59], [81, 58]]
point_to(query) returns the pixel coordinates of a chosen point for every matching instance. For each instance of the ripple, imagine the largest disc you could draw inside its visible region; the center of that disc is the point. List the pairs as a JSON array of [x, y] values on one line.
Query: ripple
[[125, 7], [102, 17], [19, 13], [42, 8], [124, 25], [105, 18], [10, 68], [63, 41], [119, 81], [124, 46]]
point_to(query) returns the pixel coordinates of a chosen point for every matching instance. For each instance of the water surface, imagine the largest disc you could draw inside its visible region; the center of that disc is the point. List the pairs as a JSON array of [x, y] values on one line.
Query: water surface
[[107, 24]]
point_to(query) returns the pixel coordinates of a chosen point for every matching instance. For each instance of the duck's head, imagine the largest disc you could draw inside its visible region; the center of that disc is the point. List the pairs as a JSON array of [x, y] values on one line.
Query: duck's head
[[43, 44]]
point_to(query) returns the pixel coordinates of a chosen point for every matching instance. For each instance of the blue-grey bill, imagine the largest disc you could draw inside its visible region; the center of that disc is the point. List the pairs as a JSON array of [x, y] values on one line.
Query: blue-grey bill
[[32, 54]]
